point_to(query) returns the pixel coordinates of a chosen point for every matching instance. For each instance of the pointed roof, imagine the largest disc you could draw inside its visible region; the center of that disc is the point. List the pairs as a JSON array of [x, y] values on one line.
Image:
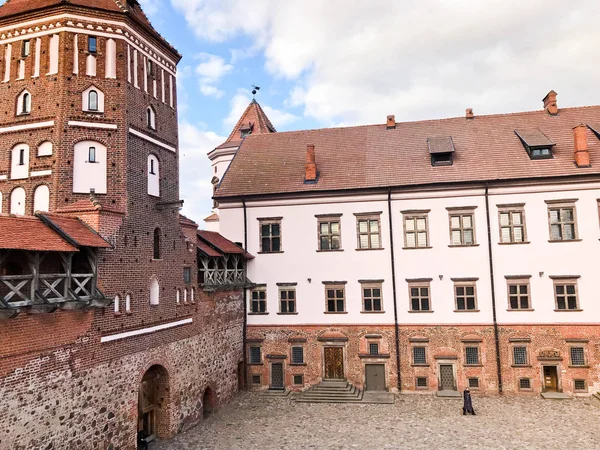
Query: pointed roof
[[255, 120]]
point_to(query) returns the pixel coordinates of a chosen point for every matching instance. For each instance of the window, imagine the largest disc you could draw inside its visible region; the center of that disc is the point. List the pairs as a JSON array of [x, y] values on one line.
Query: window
[[373, 348], [524, 384], [371, 297], [92, 155], [255, 379], [471, 356], [22, 157], [153, 176], [270, 235], [128, 303], [178, 296], [154, 291], [512, 224], [329, 234], [192, 293], [421, 382], [518, 294], [151, 118], [24, 103], [156, 246], [26, 48], [565, 294], [298, 379], [117, 303], [187, 275], [520, 356], [151, 68], [297, 355], [185, 294], [419, 356], [577, 356], [579, 385], [419, 296], [541, 153], [92, 44], [369, 233], [287, 301], [335, 297], [462, 228], [465, 296], [441, 159], [258, 303], [562, 223], [255, 355], [473, 383], [415, 231], [93, 101]]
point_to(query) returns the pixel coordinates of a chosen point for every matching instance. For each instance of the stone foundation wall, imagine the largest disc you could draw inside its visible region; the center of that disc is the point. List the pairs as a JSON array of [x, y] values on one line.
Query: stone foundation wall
[[547, 345]]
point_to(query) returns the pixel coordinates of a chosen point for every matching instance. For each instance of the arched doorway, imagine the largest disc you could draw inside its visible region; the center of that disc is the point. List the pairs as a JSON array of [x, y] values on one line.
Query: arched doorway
[[153, 401], [208, 402]]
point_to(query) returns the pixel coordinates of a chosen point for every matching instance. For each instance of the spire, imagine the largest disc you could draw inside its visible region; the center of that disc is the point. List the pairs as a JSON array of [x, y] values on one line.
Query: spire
[[253, 121]]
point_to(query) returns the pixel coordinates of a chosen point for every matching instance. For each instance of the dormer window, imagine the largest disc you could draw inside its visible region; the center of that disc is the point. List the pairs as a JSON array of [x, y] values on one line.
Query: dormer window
[[536, 143], [245, 129], [441, 150]]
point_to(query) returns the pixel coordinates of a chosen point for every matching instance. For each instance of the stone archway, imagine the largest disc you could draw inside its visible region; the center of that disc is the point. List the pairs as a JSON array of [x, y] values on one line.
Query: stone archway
[[208, 402], [153, 403]]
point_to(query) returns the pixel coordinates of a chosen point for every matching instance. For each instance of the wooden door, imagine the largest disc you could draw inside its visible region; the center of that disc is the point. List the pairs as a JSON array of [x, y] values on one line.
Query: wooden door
[[147, 413], [375, 377], [550, 378], [334, 362], [447, 378], [277, 376]]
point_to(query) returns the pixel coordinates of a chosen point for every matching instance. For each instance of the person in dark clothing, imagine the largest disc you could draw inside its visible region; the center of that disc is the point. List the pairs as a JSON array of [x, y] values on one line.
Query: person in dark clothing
[[141, 441], [468, 404]]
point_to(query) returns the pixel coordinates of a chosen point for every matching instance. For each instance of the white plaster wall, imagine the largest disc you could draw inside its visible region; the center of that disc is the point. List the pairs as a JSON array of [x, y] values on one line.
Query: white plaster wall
[[53, 54], [221, 163], [21, 69], [41, 198], [76, 54], [154, 179], [90, 65], [111, 59], [45, 149], [88, 175], [300, 260], [18, 171], [7, 60], [17, 201]]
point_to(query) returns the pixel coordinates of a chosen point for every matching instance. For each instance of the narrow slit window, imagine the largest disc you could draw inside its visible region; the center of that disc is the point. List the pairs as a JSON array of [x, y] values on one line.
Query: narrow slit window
[[22, 157], [26, 48], [93, 101], [25, 108], [92, 44], [156, 243], [92, 155]]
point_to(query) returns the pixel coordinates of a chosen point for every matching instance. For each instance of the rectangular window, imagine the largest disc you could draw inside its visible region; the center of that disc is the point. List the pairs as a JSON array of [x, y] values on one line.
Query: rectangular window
[[26, 48], [419, 296], [416, 231], [329, 234], [335, 297], [270, 236], [258, 301], [579, 385], [520, 356], [562, 223], [577, 356], [462, 228], [373, 348], [371, 297], [92, 155], [369, 232], [255, 379], [22, 157], [92, 44], [472, 356], [150, 68], [473, 383], [419, 356], [298, 379], [297, 355], [465, 296], [187, 275], [525, 384], [512, 225], [287, 301], [421, 382], [565, 294], [255, 355], [518, 294]]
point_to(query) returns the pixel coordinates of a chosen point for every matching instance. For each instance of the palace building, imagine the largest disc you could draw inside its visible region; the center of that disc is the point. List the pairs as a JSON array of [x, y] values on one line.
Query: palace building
[[104, 329], [421, 256]]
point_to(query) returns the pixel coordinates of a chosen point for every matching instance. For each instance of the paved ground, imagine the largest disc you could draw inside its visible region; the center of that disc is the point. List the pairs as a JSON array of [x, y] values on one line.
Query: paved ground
[[413, 422]]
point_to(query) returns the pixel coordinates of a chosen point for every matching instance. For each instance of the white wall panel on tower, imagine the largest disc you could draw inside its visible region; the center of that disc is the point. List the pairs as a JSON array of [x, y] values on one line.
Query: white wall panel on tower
[[90, 66], [53, 54], [7, 60], [19, 162], [41, 198], [135, 69], [76, 54], [38, 57], [21, 69], [129, 64], [45, 149], [17, 201], [89, 174], [111, 59]]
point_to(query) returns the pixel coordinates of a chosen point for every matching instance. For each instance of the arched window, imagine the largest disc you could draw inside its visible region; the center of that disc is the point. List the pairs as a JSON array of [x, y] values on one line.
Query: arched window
[[128, 303], [151, 118], [154, 291], [153, 176], [41, 198], [17, 201], [185, 296], [177, 296], [24, 103], [157, 243], [192, 292], [19, 164], [117, 305], [93, 101]]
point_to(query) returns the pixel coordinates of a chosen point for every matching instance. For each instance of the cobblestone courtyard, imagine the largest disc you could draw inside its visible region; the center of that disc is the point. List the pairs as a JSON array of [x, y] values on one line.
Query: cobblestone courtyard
[[414, 422]]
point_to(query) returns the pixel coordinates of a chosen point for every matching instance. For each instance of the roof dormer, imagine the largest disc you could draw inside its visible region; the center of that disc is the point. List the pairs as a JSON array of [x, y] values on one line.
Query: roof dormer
[[537, 144], [441, 150]]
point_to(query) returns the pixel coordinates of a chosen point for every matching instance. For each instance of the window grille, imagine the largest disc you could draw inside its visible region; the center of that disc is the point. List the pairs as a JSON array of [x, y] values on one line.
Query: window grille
[[471, 356], [524, 383], [373, 349], [297, 355], [579, 385], [473, 383], [577, 356], [419, 355], [520, 356], [255, 357], [255, 379], [298, 379], [421, 382]]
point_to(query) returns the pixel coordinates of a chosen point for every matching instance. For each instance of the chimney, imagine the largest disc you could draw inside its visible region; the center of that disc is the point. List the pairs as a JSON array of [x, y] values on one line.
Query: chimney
[[582, 154], [391, 122], [469, 113], [550, 103], [311, 166]]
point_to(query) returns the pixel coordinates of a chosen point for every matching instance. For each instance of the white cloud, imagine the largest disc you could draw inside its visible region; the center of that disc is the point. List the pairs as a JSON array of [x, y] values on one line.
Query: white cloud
[[357, 61], [240, 102], [195, 169], [211, 91], [211, 70], [150, 7]]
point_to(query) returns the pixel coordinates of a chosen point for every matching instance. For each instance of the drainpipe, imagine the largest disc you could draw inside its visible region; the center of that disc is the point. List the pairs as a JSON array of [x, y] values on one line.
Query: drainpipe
[[244, 336], [496, 334], [394, 290]]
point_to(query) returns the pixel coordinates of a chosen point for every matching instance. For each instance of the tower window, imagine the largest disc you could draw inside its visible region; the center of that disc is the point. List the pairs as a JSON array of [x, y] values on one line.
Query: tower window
[[93, 101], [157, 243], [152, 167], [26, 48], [92, 44], [22, 157], [92, 155], [25, 104], [151, 118]]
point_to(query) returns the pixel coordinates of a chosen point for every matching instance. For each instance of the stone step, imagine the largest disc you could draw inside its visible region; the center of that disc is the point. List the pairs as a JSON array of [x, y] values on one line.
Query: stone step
[[320, 395], [275, 393], [333, 389], [329, 398], [329, 391]]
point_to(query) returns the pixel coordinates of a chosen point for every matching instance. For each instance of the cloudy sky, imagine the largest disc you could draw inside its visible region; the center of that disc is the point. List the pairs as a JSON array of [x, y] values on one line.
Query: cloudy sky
[[323, 63]]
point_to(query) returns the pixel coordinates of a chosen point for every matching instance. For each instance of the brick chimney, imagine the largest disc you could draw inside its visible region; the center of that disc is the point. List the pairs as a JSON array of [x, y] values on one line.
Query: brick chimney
[[391, 122], [550, 103], [582, 154], [469, 113], [311, 165]]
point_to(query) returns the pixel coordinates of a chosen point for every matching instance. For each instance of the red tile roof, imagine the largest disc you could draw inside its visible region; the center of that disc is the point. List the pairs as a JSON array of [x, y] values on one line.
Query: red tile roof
[[486, 148], [254, 116], [207, 249], [214, 217], [30, 233], [221, 244], [75, 230], [184, 221], [86, 205]]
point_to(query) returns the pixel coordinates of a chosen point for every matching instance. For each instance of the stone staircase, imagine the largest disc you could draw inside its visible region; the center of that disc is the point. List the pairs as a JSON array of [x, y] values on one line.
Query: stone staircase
[[331, 391]]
